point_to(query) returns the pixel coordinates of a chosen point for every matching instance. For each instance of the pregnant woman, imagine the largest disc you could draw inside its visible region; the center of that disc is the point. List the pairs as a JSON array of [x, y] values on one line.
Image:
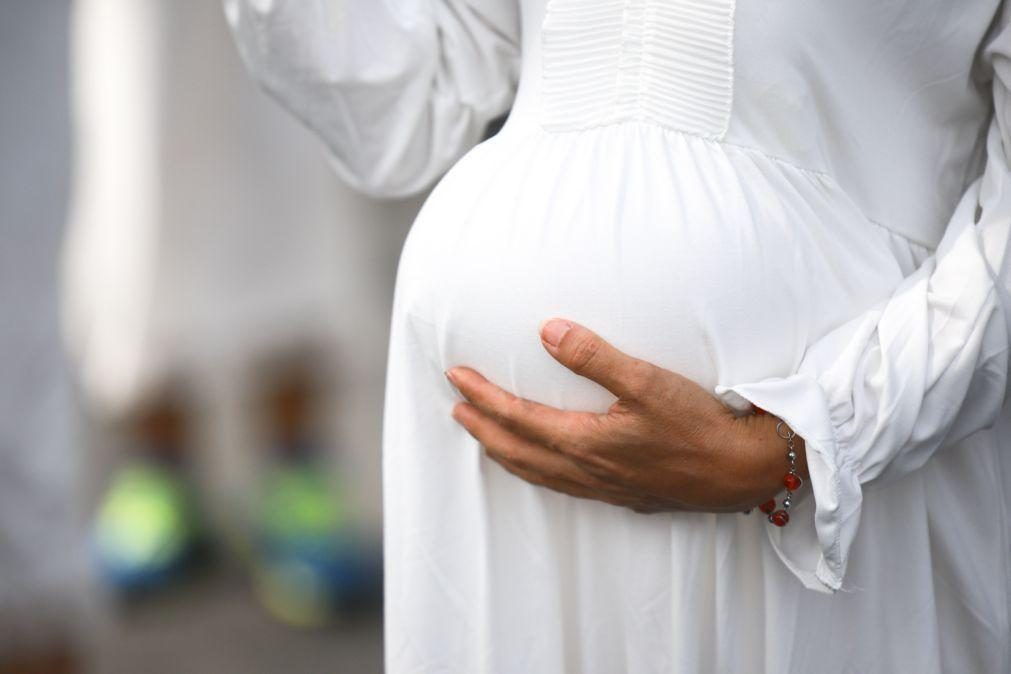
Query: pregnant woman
[[790, 206]]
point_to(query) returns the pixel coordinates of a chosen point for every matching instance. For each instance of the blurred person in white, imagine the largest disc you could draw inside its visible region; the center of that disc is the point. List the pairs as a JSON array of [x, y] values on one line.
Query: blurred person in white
[[206, 235], [41, 579], [797, 207]]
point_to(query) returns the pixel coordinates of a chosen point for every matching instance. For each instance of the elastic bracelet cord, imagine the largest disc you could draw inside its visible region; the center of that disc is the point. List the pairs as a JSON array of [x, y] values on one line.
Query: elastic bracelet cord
[[791, 480]]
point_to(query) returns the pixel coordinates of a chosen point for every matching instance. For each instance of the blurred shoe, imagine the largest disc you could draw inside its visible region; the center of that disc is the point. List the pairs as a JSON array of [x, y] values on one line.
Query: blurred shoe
[[310, 563], [145, 533]]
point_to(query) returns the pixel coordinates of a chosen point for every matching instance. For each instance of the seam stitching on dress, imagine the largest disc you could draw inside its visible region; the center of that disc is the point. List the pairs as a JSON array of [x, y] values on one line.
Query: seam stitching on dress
[[836, 483], [700, 93], [704, 137], [905, 237], [644, 72], [730, 66]]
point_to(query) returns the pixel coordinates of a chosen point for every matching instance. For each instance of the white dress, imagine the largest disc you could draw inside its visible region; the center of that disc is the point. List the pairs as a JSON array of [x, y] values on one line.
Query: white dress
[[804, 205]]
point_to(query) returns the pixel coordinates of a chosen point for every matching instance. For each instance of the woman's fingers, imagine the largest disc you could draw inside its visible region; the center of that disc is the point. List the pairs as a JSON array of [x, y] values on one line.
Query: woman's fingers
[[584, 439], [654, 449], [535, 463], [555, 429], [587, 354], [565, 486]]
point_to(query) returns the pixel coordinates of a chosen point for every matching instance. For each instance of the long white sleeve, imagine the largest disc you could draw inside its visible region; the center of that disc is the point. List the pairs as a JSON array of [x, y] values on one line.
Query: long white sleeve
[[397, 89], [878, 396]]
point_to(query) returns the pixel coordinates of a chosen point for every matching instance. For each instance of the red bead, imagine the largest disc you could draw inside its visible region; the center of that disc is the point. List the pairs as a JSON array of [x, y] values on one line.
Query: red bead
[[779, 518], [792, 482], [768, 506], [759, 410]]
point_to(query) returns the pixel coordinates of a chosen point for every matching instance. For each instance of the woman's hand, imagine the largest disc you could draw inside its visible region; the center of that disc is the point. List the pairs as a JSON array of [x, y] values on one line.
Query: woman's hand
[[665, 444]]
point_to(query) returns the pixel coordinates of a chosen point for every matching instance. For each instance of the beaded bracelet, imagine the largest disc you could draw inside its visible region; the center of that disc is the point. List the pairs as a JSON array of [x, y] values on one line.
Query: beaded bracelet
[[791, 480]]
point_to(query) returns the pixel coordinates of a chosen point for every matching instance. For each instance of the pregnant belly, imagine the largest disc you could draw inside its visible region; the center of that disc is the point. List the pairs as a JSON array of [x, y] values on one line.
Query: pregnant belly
[[711, 261]]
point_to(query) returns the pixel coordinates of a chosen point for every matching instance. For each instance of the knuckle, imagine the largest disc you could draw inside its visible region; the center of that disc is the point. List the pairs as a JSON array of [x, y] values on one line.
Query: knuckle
[[502, 413], [523, 408], [562, 444], [573, 449], [513, 410], [558, 446], [567, 439], [584, 353], [596, 464], [591, 429], [641, 377], [509, 455]]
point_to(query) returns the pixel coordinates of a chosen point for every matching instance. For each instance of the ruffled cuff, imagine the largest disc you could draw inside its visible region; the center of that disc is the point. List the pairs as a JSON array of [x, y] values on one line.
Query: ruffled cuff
[[826, 511]]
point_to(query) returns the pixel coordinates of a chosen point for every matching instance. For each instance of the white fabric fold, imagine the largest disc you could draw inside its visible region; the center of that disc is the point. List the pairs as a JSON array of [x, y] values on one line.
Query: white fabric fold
[[875, 398], [811, 544], [397, 90]]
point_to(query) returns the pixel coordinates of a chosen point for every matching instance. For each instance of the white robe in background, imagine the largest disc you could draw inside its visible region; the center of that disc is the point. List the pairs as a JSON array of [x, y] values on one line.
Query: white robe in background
[[804, 205]]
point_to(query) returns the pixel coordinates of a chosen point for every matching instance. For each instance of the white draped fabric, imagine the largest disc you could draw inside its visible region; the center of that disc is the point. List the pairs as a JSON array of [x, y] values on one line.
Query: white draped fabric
[[804, 206]]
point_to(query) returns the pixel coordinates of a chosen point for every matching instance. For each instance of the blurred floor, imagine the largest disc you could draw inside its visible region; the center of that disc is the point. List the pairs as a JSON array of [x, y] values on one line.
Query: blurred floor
[[215, 625]]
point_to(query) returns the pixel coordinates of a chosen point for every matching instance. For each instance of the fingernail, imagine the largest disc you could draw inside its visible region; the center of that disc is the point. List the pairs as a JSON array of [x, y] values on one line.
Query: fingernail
[[451, 377], [553, 331]]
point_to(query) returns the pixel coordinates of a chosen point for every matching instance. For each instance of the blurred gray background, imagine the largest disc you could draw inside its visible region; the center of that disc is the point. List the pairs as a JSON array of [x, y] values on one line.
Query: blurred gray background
[[162, 219]]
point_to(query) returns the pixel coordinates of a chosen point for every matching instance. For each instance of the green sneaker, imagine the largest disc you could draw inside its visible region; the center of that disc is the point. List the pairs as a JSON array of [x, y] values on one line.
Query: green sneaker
[[145, 533], [310, 561]]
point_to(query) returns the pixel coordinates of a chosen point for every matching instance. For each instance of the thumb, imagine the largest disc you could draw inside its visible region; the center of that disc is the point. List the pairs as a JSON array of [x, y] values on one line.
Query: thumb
[[587, 354]]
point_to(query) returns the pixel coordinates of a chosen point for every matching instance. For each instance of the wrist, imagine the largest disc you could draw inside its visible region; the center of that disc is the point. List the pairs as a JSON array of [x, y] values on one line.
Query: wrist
[[765, 456]]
